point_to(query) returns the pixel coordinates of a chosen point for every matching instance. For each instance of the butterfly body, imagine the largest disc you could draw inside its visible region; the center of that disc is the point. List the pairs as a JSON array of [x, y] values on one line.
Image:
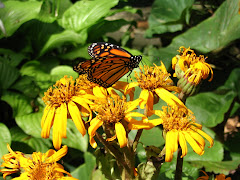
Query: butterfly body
[[108, 64]]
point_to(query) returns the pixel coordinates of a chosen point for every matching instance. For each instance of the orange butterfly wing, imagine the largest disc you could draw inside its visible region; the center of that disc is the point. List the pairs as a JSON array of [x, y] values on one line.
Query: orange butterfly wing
[[109, 63]]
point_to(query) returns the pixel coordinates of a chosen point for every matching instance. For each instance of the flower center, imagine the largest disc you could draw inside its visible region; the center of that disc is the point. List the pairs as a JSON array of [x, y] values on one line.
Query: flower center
[[42, 171], [62, 91], [153, 77], [177, 119], [112, 110]]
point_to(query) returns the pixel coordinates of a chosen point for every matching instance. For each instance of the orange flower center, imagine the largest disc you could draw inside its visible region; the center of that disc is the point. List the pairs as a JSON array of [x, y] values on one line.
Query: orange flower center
[[153, 77], [177, 119]]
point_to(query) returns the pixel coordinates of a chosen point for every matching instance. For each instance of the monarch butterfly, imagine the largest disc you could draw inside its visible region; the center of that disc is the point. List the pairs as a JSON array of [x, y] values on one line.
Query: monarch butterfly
[[108, 64]]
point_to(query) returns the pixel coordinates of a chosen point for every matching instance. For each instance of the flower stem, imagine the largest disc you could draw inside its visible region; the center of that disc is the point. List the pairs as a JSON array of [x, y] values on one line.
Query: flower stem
[[118, 156], [178, 174]]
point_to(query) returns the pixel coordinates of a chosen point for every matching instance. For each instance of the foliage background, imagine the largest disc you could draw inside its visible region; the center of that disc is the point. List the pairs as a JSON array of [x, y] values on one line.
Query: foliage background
[[40, 41]]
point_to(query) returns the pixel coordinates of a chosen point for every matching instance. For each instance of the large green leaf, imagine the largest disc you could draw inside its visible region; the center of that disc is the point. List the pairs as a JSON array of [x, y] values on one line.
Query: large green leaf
[[15, 13], [85, 171], [30, 124], [8, 74], [20, 104], [67, 36], [152, 137], [210, 107], [168, 16], [13, 58], [35, 144], [212, 34], [64, 70], [5, 137], [83, 14]]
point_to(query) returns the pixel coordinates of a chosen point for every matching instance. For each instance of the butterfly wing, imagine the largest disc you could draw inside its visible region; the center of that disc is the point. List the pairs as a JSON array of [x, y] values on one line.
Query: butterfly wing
[[102, 49], [109, 63], [106, 72]]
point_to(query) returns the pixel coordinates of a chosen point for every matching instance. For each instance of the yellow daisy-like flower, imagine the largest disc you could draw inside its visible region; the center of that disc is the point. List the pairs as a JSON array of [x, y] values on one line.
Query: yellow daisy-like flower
[[155, 82], [218, 177], [191, 67], [180, 127], [66, 99], [116, 116], [40, 166]]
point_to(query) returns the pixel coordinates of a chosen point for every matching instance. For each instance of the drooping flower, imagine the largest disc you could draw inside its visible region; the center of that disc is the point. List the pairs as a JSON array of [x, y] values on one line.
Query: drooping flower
[[116, 116], [67, 98], [218, 177], [40, 166], [155, 83], [179, 128], [190, 69]]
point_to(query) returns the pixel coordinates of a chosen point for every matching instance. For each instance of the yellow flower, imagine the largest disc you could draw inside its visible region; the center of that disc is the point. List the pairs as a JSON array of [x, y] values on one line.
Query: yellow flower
[[66, 99], [187, 65], [39, 166], [180, 127], [115, 115], [155, 82]]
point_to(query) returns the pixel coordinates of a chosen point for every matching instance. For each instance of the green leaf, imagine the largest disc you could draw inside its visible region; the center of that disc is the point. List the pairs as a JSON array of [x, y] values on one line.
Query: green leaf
[[64, 70], [209, 108], [30, 123], [105, 26], [8, 74], [5, 137], [13, 58], [67, 36], [214, 153], [152, 137], [233, 82], [27, 142], [168, 16], [85, 171], [15, 13], [19, 103], [84, 14], [217, 167], [36, 70], [27, 86], [74, 138]]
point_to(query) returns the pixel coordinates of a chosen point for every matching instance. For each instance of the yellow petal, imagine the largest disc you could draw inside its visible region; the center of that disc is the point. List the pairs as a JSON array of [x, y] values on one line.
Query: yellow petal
[[210, 140], [121, 134], [169, 151], [132, 105], [130, 86], [48, 123], [83, 103], [144, 97], [134, 114], [45, 113], [168, 97], [100, 92], [198, 139], [63, 108], [57, 138], [76, 117], [196, 148], [58, 155], [183, 144], [95, 124], [134, 124]]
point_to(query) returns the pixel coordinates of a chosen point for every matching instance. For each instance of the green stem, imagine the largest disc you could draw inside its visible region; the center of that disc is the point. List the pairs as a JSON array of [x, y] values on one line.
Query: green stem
[[118, 156], [136, 140]]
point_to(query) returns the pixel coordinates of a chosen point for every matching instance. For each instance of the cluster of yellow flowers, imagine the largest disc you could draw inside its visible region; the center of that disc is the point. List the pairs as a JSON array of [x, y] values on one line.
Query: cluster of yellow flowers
[[114, 110]]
